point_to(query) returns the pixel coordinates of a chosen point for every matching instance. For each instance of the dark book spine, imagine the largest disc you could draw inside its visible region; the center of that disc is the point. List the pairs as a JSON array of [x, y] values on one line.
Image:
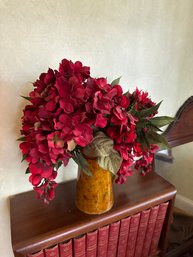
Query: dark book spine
[[132, 235], [91, 244], [123, 237], [38, 254], [141, 232], [149, 231], [158, 227], [113, 239], [52, 252], [79, 246], [66, 249], [103, 235]]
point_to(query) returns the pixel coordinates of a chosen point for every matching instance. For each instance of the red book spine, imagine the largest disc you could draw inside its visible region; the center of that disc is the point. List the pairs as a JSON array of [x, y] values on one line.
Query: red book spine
[[123, 237], [91, 244], [141, 232], [132, 235], [149, 231], [103, 235], [79, 246], [38, 254], [158, 227], [113, 239], [66, 249], [52, 252]]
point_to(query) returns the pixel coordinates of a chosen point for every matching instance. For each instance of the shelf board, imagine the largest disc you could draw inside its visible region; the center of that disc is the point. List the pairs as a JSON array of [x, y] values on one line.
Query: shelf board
[[36, 226]]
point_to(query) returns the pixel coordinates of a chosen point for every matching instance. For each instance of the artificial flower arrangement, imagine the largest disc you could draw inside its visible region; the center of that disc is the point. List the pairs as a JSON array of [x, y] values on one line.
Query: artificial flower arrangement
[[73, 115]]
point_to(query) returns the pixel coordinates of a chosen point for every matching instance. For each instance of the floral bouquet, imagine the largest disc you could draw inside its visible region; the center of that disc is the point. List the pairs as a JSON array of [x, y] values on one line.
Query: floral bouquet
[[73, 115]]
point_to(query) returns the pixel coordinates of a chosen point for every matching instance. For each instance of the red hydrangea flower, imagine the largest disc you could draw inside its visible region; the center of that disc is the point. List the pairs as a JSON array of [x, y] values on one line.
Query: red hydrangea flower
[[67, 106]]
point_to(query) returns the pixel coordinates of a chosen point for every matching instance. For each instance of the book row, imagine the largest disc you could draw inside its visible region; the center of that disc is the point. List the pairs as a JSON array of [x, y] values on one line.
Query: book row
[[134, 236]]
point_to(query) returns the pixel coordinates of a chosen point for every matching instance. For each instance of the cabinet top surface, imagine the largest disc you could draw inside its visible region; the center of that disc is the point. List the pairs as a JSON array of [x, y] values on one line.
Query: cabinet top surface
[[30, 218]]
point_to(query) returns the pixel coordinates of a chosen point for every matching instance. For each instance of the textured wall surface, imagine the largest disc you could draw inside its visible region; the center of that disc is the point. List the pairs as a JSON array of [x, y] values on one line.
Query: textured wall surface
[[148, 42], [180, 172]]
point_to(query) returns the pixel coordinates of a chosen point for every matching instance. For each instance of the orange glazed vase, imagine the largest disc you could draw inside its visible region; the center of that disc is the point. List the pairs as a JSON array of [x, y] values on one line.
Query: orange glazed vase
[[94, 194]]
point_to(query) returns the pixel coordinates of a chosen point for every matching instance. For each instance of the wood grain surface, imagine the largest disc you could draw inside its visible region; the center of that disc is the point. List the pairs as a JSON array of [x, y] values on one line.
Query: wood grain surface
[[35, 226]]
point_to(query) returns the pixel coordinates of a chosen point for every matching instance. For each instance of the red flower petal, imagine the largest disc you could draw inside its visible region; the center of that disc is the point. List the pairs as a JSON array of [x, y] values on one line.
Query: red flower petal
[[63, 87], [47, 171], [49, 77], [101, 121], [66, 68], [130, 137], [83, 134], [66, 106], [50, 106], [24, 146], [35, 179]]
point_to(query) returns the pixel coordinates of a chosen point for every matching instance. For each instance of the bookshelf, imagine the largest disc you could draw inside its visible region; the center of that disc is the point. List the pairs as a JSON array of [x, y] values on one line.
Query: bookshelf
[[35, 226]]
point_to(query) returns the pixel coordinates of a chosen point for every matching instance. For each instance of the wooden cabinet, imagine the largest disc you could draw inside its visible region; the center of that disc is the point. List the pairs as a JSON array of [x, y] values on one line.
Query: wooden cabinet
[[35, 226]]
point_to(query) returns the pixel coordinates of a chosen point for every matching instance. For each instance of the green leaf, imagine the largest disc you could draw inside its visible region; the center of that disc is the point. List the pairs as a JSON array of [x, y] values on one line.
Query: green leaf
[[133, 110], [152, 127], [142, 124], [126, 93], [110, 162], [21, 139], [161, 121], [143, 141], [115, 81], [158, 139], [101, 146], [58, 164], [26, 97], [27, 171], [24, 157], [81, 161], [147, 112]]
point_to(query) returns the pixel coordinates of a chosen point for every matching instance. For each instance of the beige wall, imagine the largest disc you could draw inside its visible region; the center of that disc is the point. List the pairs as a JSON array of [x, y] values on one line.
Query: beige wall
[[180, 172], [148, 42]]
